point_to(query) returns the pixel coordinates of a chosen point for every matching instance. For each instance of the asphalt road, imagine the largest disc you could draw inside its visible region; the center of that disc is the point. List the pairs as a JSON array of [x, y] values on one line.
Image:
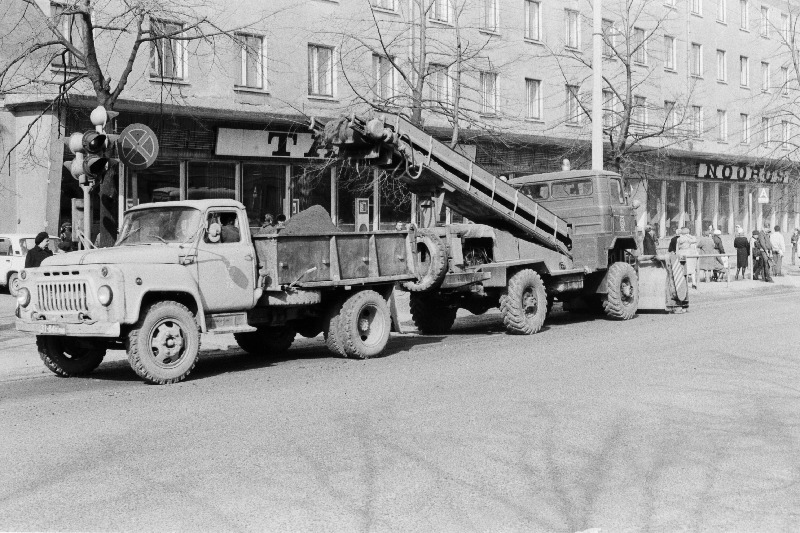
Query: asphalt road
[[663, 423]]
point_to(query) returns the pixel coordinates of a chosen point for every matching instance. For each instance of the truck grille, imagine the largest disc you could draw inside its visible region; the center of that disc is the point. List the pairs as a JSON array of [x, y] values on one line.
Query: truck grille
[[63, 296]]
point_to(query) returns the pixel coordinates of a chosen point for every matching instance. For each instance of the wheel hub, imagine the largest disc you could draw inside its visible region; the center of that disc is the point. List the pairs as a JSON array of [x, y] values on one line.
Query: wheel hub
[[627, 290], [167, 342], [529, 303]]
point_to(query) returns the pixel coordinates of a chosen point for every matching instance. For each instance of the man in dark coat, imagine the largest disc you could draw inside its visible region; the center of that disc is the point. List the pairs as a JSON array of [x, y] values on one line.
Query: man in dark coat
[[649, 242], [762, 252], [40, 252], [229, 233], [673, 242]]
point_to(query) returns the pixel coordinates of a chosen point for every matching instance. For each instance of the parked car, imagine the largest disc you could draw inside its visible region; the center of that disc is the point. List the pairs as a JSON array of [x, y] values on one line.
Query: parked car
[[13, 249]]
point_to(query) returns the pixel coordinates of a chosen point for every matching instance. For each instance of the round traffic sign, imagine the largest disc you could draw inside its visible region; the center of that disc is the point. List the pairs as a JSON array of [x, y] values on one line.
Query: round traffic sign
[[138, 146]]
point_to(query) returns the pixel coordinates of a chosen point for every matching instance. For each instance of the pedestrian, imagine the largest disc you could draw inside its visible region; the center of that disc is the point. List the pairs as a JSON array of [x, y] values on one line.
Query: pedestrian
[[762, 250], [755, 256], [649, 243], [281, 219], [673, 242], [40, 252], [705, 246], [268, 222], [742, 246], [229, 231], [795, 238], [687, 246], [721, 264], [778, 249]]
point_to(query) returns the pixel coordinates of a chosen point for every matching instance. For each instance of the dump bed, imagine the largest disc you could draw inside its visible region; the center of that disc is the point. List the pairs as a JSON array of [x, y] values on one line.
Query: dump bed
[[334, 259]]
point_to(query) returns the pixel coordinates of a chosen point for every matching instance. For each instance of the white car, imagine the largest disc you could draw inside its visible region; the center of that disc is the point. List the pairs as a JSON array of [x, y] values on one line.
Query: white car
[[13, 249]]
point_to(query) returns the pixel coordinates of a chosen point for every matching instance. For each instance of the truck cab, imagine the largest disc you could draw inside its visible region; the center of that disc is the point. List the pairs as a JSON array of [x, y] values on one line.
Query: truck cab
[[596, 205]]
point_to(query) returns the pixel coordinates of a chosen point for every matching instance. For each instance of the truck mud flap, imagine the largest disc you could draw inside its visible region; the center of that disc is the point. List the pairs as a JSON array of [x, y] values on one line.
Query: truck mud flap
[[662, 283]]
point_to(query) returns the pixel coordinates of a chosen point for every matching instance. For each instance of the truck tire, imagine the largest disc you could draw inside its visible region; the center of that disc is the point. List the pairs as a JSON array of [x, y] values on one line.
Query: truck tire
[[362, 327], [163, 345], [331, 333], [622, 298], [13, 284], [434, 268], [267, 341], [524, 303], [68, 357], [431, 315]]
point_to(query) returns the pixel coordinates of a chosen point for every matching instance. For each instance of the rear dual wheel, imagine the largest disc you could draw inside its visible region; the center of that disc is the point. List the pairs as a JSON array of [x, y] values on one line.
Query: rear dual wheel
[[360, 327]]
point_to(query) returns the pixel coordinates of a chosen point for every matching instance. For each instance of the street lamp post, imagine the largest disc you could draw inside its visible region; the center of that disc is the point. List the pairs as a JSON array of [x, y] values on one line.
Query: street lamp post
[[597, 87]]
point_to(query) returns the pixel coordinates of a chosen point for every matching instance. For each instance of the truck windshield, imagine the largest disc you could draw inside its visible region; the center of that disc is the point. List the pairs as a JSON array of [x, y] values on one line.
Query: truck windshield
[[173, 224]]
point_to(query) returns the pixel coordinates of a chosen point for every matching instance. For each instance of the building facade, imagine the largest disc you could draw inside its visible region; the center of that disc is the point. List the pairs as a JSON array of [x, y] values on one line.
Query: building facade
[[708, 97]]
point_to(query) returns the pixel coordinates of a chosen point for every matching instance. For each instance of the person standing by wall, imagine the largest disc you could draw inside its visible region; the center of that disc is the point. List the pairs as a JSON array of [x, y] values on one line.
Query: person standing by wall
[[40, 252], [763, 250], [649, 243], [778, 249], [687, 245], [721, 264], [742, 246], [705, 246], [795, 238]]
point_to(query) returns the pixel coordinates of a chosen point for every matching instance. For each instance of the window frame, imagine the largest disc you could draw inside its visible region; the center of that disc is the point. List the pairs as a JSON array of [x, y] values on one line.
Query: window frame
[[440, 11], [375, 5], [489, 97], [439, 71], [609, 109], [696, 63], [538, 21], [640, 46], [784, 81], [722, 66], [744, 15], [68, 29], [696, 7], [744, 73], [671, 56], [609, 38], [378, 62], [697, 121], [722, 8], [744, 122], [573, 105], [314, 73], [766, 77], [490, 16], [180, 50], [568, 41], [534, 102], [261, 71], [763, 27], [766, 131], [722, 125], [639, 113], [786, 133]]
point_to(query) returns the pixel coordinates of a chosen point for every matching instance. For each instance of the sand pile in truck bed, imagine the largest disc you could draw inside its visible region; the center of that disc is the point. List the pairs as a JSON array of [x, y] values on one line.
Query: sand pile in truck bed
[[315, 219]]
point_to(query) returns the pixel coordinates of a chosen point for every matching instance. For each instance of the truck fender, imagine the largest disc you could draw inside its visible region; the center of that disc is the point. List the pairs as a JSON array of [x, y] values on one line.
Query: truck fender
[[145, 283]]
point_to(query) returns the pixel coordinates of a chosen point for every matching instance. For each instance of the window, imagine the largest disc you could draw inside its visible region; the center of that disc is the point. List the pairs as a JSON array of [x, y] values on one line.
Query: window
[[696, 7], [639, 46], [722, 69], [167, 54], [696, 63], [439, 82], [533, 20], [765, 78], [72, 29], [440, 11], [670, 117], [573, 104], [534, 90], [384, 4], [697, 120], [786, 133], [764, 26], [384, 74], [722, 11], [744, 71], [744, 120], [250, 64], [609, 109], [722, 125], [670, 53], [639, 118], [537, 191], [320, 70], [744, 8], [566, 189], [609, 37], [785, 81], [490, 17], [573, 29], [488, 93], [766, 136], [785, 27]]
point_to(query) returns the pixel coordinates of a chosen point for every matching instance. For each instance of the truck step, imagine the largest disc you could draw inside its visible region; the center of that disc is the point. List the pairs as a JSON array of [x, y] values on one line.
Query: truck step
[[231, 329]]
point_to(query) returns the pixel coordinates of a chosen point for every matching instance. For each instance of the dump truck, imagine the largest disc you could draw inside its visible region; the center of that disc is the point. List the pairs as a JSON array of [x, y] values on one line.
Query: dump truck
[[183, 268], [566, 236]]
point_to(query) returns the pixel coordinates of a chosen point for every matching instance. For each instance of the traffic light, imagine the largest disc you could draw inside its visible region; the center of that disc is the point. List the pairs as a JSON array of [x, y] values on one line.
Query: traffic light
[[92, 149]]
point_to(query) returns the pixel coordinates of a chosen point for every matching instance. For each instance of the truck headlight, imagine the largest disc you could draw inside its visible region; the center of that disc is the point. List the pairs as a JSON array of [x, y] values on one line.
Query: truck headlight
[[105, 295], [23, 297]]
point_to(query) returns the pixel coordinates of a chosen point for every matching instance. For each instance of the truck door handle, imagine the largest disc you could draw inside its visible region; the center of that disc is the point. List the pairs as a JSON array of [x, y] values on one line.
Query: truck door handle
[[248, 257]]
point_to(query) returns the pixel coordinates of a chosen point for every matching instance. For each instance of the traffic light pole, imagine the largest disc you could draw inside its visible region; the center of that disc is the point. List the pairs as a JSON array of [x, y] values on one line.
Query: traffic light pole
[[87, 215]]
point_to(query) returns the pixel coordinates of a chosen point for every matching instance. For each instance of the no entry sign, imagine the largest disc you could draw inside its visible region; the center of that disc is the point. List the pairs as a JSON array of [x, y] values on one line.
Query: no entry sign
[[137, 146]]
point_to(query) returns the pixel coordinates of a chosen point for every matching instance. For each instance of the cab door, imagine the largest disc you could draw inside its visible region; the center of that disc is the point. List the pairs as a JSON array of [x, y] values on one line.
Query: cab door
[[621, 213], [226, 265]]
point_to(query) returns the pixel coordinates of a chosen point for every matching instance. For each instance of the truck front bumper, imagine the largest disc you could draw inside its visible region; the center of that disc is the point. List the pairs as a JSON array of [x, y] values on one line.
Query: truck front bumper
[[69, 329]]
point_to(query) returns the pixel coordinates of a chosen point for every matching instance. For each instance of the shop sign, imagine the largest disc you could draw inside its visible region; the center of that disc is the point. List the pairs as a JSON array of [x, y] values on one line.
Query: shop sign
[[261, 143], [763, 195], [740, 173]]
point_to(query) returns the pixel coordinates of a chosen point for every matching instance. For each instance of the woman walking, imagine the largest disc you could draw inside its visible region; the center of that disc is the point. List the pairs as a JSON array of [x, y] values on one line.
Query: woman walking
[[742, 246], [687, 245]]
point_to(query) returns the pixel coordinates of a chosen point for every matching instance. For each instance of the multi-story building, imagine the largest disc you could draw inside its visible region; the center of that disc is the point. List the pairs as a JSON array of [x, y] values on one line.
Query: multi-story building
[[708, 96]]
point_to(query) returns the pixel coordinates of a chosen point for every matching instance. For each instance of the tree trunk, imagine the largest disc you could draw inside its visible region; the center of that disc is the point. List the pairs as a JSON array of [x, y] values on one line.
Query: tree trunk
[[108, 208]]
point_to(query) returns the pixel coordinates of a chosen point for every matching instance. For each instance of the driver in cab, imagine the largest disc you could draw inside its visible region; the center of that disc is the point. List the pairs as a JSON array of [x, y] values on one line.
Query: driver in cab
[[229, 232]]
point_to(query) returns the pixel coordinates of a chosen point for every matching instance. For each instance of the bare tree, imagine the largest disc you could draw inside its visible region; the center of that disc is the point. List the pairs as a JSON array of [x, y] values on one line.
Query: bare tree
[[96, 48]]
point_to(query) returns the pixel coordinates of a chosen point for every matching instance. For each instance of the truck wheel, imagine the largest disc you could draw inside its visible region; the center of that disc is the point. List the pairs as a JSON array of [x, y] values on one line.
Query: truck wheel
[[331, 331], [13, 284], [524, 303], [363, 325], [622, 298], [267, 341], [163, 345], [431, 315], [433, 266], [69, 356]]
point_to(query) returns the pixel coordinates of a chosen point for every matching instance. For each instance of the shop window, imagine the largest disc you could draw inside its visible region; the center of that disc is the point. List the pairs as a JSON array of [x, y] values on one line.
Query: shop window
[[395, 203], [352, 185], [654, 205], [724, 207], [673, 206], [211, 180], [159, 183], [310, 185], [691, 206], [263, 191], [707, 209], [742, 205]]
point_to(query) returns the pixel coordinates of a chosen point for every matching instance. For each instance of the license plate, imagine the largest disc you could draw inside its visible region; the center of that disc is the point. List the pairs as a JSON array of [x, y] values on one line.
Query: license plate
[[52, 329]]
